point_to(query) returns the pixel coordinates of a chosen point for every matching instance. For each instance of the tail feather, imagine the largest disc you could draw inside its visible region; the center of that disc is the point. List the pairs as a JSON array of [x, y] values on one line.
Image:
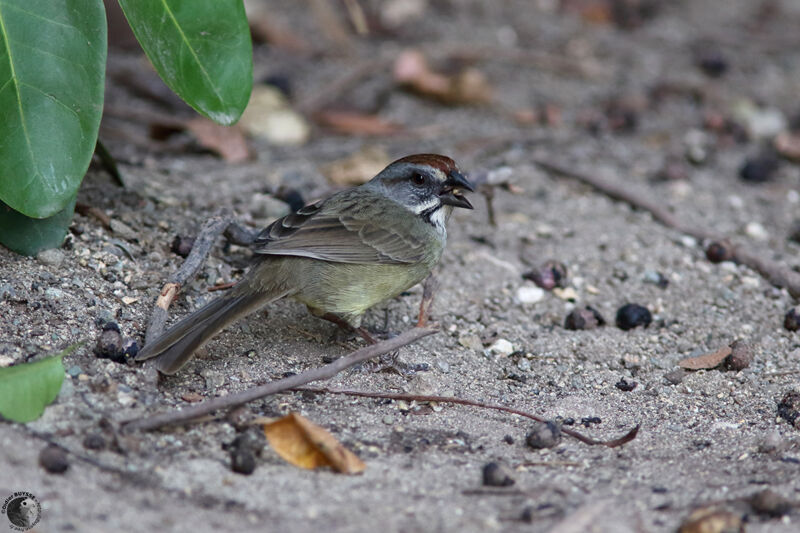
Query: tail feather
[[175, 347]]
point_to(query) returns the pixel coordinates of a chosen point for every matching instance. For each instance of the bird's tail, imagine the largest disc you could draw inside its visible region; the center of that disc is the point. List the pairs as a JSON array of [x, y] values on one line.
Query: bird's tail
[[175, 347]]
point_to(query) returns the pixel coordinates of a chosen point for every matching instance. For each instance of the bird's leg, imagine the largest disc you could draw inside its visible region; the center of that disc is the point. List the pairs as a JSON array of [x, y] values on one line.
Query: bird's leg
[[429, 288], [342, 323]]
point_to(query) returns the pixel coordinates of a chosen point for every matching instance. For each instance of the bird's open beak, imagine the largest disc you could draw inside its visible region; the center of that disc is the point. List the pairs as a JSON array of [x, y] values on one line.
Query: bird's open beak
[[453, 188]]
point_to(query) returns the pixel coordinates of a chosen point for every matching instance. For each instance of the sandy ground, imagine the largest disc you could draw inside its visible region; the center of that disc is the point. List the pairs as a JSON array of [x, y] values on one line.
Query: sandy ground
[[714, 437]]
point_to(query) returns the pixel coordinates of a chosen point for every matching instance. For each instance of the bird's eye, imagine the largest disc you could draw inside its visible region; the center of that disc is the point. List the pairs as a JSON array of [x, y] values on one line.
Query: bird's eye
[[418, 180]]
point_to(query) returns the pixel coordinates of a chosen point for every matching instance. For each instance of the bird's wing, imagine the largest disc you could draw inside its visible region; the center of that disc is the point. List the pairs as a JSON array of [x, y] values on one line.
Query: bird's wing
[[347, 234]]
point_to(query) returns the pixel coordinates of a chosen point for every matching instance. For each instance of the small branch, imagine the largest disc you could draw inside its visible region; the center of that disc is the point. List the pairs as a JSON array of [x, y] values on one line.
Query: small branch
[[176, 417], [777, 274], [202, 246], [629, 436]]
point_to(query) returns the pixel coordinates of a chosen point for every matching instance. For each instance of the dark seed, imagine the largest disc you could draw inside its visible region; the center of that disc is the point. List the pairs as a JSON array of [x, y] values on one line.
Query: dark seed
[[497, 475], [543, 435], [586, 317], [625, 386], [740, 357], [94, 441], [243, 461], [508, 439], [759, 169], [792, 319], [589, 420], [109, 344], [53, 459], [182, 245], [712, 63], [293, 198], [280, 82], [789, 408], [770, 503], [630, 316], [719, 251], [549, 275], [794, 233]]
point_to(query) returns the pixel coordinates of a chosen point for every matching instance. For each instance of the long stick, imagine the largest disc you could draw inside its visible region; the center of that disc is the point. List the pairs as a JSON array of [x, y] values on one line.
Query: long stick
[[775, 273], [176, 417]]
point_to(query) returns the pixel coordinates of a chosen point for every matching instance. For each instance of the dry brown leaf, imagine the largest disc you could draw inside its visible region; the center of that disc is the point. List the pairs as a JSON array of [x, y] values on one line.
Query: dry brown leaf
[[301, 442], [470, 86], [707, 360], [355, 123], [227, 141], [357, 168]]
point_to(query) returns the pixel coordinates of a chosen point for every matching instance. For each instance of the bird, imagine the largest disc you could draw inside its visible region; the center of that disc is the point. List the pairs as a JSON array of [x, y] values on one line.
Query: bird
[[339, 257]]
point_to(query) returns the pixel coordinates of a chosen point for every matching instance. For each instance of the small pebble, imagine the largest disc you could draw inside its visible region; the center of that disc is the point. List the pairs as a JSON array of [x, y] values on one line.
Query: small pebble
[[53, 459], [123, 230], [625, 386], [655, 278], [712, 519], [769, 503], [549, 275], [388, 420], [586, 317], [497, 475], [543, 435], [94, 441], [712, 62], [243, 461], [630, 316], [74, 371], [791, 320], [240, 418], [530, 295], [719, 251], [50, 257], [675, 376], [182, 245], [772, 442], [756, 231], [508, 439], [501, 347], [740, 357]]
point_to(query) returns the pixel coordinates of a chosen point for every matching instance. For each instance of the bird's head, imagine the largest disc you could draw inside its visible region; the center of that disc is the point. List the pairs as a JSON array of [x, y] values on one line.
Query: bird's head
[[424, 183]]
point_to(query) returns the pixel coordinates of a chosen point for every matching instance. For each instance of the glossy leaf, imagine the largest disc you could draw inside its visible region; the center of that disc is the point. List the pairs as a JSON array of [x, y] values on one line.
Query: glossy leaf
[[52, 78], [28, 236], [202, 50], [26, 389]]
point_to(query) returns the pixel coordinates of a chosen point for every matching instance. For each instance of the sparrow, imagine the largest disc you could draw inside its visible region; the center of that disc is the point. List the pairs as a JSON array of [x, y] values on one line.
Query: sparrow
[[339, 257]]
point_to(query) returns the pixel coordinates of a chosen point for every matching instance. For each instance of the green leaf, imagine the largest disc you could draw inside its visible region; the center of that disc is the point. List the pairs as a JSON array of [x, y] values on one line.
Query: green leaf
[[29, 236], [202, 50], [52, 78], [26, 389]]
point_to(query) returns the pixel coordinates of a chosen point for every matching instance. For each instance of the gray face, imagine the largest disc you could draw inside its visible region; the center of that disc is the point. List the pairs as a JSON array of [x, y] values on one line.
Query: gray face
[[416, 187]]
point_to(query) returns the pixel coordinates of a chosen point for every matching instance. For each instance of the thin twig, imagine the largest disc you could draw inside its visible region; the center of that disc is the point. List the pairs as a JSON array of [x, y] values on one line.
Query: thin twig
[[429, 288], [328, 371], [214, 227], [777, 274], [629, 436]]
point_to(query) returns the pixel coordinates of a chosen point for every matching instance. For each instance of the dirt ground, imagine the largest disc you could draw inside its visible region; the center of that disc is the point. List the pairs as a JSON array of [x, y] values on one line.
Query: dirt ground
[[623, 99]]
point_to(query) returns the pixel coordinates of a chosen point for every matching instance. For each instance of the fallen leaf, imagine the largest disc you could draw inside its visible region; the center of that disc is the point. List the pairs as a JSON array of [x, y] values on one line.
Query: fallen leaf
[[707, 360], [357, 168], [269, 117], [355, 123], [307, 445], [227, 141], [470, 86]]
